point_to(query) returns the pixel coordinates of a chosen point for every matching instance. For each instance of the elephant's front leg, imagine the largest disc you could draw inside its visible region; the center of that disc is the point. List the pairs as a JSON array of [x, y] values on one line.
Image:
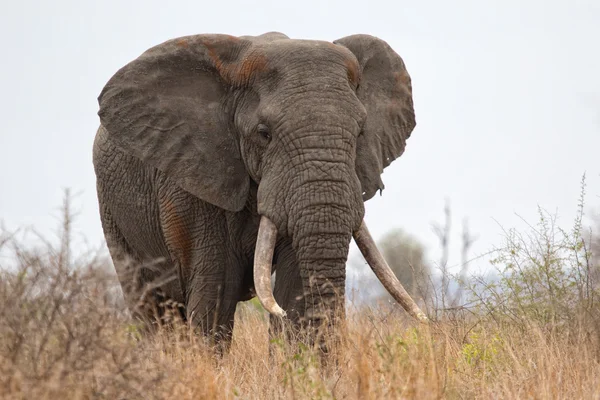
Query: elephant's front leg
[[197, 236], [214, 282], [212, 296]]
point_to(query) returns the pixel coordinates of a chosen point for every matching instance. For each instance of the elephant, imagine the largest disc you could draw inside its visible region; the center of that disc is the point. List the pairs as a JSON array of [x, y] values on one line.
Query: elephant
[[221, 159]]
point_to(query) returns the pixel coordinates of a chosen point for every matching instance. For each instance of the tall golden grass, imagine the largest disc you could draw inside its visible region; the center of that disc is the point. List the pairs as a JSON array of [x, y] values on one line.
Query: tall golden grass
[[64, 334]]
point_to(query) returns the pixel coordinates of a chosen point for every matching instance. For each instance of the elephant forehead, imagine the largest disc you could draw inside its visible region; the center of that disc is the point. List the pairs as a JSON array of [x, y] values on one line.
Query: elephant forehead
[[309, 55]]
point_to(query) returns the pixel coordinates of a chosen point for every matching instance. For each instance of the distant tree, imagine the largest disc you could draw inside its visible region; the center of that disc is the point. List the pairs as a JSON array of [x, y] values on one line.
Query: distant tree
[[406, 257]]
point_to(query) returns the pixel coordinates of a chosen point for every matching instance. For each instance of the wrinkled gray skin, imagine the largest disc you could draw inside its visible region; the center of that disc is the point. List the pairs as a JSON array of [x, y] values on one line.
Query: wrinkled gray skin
[[202, 135]]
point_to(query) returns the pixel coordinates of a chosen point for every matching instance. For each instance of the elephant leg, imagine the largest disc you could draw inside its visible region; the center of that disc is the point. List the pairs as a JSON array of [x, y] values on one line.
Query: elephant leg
[[212, 302], [144, 302], [288, 289], [214, 279], [209, 270]]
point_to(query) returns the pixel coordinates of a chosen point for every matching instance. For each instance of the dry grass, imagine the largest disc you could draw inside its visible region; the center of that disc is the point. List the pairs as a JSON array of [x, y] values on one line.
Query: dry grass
[[64, 334], [76, 345]]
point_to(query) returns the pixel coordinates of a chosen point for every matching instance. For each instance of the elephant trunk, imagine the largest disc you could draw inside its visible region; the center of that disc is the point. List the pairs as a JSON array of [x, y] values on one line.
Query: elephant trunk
[[325, 213], [321, 232]]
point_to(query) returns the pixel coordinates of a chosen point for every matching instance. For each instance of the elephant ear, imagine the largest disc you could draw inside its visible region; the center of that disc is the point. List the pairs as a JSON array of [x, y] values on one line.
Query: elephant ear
[[386, 92], [167, 109]]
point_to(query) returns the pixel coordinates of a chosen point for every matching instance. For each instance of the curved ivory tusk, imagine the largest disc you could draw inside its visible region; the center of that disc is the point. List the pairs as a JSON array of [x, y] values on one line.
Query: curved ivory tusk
[[263, 261], [384, 273]]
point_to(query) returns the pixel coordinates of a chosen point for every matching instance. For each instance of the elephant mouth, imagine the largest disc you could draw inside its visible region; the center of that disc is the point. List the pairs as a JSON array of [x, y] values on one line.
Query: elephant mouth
[[265, 246]]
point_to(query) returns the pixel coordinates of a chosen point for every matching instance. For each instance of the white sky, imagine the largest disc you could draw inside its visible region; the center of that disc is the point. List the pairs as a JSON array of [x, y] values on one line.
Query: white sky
[[507, 97]]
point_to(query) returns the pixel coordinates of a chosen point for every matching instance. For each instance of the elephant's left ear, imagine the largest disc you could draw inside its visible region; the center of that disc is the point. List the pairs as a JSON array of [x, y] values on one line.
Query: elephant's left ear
[[169, 108], [386, 92]]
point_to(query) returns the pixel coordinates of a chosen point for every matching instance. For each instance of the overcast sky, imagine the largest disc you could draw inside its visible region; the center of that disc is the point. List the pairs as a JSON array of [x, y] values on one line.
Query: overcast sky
[[507, 98]]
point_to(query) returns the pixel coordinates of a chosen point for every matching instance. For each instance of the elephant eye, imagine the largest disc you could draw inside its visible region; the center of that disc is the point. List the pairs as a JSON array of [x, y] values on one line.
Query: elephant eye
[[263, 131]]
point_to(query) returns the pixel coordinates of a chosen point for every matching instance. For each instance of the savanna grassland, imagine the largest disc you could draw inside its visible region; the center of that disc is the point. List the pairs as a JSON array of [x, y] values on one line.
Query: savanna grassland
[[532, 332]]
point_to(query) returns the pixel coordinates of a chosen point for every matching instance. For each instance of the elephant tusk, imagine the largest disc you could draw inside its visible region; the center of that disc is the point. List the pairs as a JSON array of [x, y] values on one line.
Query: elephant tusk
[[263, 261], [384, 273]]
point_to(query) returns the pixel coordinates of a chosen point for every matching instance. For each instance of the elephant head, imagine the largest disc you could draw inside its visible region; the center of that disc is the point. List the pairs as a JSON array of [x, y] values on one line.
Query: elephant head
[[310, 124]]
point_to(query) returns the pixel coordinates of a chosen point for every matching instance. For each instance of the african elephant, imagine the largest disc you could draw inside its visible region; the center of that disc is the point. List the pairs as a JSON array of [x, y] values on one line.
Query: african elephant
[[225, 157]]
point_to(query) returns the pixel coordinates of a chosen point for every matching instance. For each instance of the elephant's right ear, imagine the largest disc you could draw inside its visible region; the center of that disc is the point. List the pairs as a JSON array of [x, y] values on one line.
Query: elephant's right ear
[[385, 89], [167, 109]]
